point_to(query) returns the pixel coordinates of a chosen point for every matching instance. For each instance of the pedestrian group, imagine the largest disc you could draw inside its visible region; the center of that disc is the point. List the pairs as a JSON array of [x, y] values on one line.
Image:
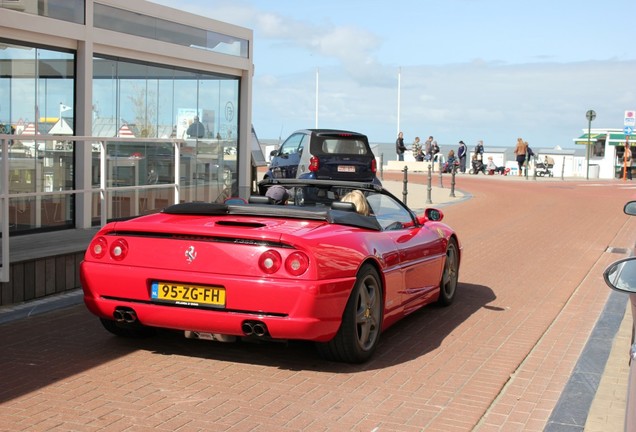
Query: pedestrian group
[[457, 159]]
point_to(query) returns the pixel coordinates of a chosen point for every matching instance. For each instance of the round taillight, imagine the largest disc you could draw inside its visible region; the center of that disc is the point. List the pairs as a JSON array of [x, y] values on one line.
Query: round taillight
[[119, 249], [297, 263], [270, 261], [98, 247], [314, 164]]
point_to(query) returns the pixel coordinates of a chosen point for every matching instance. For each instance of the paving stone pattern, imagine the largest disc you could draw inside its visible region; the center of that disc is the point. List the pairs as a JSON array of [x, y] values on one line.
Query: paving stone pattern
[[498, 359]]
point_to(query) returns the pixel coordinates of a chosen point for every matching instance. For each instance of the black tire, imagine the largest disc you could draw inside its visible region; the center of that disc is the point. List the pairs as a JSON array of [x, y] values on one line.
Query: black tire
[[450, 275], [359, 332], [135, 331]]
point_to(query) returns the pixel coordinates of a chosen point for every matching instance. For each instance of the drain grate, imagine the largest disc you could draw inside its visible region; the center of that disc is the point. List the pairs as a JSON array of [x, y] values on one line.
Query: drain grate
[[617, 250]]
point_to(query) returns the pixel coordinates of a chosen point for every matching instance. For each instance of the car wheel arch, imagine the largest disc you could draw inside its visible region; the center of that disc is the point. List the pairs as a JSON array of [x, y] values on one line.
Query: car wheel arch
[[450, 276], [459, 249], [373, 262], [350, 343]]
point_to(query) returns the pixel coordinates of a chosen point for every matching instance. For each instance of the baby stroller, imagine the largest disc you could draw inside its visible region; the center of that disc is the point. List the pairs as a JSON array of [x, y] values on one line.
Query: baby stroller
[[545, 168], [478, 166]]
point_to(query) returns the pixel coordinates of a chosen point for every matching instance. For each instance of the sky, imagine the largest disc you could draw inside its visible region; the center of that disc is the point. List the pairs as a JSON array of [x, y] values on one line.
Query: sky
[[491, 70]]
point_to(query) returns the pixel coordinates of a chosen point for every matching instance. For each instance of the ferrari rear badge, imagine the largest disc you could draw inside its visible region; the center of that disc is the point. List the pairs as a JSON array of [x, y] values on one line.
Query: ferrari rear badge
[[190, 254]]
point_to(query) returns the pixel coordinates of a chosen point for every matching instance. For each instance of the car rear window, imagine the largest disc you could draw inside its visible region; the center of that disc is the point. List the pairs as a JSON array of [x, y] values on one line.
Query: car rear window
[[344, 146]]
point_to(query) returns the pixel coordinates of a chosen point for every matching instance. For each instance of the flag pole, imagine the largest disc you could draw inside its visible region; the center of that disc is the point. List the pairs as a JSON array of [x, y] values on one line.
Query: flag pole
[[317, 79], [398, 99]]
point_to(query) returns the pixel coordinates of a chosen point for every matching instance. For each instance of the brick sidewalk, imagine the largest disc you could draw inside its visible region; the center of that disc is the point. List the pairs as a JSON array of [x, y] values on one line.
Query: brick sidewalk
[[531, 292]]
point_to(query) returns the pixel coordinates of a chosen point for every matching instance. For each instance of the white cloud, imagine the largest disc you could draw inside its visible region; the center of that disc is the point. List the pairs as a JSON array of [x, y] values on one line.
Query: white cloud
[[544, 103], [484, 71]]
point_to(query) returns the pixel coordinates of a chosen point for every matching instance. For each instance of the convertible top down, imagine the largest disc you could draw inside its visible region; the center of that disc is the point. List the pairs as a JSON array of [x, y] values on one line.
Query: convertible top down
[[314, 269]]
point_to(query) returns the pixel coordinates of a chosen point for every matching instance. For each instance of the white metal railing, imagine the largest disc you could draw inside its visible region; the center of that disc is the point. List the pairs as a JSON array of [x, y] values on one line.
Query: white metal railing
[[104, 189], [103, 182]]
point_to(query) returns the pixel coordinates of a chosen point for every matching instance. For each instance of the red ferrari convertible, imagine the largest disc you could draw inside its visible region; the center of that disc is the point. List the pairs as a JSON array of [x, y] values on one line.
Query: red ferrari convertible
[[322, 267]]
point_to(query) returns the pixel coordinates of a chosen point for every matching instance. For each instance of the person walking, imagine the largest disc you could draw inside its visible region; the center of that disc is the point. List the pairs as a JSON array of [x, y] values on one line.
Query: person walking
[[400, 148], [461, 155], [520, 152]]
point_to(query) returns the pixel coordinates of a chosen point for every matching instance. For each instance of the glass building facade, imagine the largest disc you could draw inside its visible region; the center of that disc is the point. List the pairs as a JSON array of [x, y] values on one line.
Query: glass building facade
[[134, 111]]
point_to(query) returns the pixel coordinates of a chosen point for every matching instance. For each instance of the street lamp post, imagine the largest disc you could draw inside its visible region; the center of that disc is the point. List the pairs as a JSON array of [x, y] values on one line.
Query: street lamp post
[[589, 115]]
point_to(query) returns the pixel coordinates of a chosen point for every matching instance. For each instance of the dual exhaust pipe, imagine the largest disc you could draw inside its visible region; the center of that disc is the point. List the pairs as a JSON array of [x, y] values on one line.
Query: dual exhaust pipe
[[125, 315], [255, 328], [250, 328]]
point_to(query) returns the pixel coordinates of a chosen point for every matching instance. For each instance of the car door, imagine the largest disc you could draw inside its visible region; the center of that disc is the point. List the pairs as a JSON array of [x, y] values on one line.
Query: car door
[[420, 249], [285, 162]]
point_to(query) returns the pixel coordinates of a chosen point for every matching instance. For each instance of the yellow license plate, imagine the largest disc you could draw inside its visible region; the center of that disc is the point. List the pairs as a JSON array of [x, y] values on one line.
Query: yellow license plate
[[188, 295]]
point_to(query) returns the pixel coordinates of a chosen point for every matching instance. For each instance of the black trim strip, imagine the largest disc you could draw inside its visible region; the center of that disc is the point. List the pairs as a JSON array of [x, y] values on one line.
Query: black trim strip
[[200, 238], [210, 309]]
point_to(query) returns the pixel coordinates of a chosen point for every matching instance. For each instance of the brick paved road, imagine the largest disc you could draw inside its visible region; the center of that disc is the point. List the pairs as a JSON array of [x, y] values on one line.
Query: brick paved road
[[531, 291]]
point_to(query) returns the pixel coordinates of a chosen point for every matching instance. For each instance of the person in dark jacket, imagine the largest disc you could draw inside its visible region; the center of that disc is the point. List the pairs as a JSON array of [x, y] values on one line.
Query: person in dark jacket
[[479, 149], [451, 162], [400, 148], [434, 149], [461, 155], [196, 129]]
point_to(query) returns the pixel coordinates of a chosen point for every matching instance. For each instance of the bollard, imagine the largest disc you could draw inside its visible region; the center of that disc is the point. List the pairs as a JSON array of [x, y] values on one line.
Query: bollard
[[441, 181], [453, 171], [430, 188], [381, 166], [563, 169], [405, 182]]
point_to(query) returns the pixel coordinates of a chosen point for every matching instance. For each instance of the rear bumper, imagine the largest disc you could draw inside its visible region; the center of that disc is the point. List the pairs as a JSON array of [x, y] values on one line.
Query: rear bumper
[[313, 176], [291, 309]]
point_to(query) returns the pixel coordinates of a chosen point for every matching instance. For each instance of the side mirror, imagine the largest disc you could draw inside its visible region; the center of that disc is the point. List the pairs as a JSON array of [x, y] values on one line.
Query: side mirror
[[430, 214], [621, 275], [630, 208], [273, 153]]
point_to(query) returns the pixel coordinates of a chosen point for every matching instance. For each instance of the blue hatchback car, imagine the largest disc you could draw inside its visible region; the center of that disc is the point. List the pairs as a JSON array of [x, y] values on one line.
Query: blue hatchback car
[[324, 154]]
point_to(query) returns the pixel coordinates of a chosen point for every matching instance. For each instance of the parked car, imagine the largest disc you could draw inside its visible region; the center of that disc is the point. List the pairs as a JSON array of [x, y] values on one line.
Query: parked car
[[621, 276], [324, 154], [314, 269]]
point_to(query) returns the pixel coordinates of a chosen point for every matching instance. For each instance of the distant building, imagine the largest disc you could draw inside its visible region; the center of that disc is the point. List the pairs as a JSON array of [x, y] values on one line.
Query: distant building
[[606, 147]]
